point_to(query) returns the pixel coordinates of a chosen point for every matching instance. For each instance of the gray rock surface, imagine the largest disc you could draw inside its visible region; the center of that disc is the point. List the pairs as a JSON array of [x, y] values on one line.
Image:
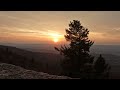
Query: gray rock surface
[[8, 71]]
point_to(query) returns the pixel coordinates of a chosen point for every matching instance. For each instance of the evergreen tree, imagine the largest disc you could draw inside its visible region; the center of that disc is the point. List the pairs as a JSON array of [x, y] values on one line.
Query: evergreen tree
[[76, 55], [101, 68]]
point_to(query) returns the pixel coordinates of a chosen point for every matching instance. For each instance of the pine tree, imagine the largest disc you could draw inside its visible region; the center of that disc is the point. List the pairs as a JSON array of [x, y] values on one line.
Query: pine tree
[[101, 68], [76, 55]]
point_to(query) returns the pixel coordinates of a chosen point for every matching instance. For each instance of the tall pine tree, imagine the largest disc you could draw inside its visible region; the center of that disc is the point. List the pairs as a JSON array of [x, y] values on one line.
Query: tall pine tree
[[76, 55]]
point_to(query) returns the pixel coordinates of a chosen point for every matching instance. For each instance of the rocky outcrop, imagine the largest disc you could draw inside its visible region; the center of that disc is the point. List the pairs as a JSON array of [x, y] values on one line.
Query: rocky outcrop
[[8, 71]]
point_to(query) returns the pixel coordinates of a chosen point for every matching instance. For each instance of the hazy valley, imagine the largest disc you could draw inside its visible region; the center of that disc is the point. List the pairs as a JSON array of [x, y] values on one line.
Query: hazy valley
[[47, 60]]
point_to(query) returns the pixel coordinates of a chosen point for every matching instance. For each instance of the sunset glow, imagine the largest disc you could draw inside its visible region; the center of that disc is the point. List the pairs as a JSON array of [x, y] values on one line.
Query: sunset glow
[[49, 26], [72, 44], [55, 40], [55, 36]]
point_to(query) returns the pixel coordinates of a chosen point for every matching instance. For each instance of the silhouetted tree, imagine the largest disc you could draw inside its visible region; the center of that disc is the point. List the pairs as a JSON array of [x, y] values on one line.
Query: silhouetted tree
[[101, 68], [77, 61], [77, 54]]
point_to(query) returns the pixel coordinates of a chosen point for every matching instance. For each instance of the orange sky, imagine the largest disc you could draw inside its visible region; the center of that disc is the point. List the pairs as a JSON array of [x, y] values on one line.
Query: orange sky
[[48, 26]]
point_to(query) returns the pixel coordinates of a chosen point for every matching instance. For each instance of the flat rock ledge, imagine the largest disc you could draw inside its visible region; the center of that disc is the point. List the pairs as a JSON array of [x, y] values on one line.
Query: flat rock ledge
[[8, 71]]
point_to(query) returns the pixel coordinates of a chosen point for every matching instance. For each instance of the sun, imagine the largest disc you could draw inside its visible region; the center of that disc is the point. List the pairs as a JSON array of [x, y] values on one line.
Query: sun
[[55, 37], [55, 40]]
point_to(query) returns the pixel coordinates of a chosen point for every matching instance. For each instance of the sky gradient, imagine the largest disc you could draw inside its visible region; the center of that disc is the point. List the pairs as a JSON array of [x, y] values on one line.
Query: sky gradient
[[45, 26]]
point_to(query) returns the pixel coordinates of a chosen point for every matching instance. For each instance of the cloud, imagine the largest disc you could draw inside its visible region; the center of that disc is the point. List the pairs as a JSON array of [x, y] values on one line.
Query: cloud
[[113, 31], [28, 32], [104, 25]]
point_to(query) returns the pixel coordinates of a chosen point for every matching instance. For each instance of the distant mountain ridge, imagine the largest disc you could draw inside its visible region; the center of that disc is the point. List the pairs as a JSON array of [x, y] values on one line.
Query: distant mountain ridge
[[49, 48], [50, 62], [43, 61]]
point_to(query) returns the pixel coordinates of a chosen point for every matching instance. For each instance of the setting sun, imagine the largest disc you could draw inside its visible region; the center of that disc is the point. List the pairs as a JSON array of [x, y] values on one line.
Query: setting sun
[[55, 40], [55, 36]]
